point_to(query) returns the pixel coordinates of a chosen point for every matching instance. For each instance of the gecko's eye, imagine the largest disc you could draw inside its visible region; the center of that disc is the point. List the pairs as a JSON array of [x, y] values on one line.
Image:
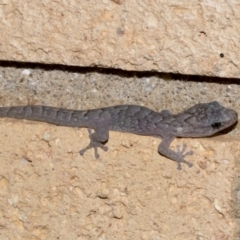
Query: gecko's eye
[[216, 125]]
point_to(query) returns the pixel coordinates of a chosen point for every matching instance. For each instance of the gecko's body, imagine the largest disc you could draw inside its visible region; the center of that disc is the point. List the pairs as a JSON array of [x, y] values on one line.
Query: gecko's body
[[201, 120]]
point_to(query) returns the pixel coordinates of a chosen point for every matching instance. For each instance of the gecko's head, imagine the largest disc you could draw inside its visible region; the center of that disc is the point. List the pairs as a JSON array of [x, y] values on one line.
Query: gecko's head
[[205, 119]]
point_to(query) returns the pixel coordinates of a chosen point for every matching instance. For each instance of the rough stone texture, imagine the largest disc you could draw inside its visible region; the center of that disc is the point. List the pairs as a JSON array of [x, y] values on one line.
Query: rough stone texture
[[189, 37], [48, 191]]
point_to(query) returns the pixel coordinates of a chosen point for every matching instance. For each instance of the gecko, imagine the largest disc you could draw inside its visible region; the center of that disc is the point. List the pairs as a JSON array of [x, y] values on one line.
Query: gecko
[[201, 120]]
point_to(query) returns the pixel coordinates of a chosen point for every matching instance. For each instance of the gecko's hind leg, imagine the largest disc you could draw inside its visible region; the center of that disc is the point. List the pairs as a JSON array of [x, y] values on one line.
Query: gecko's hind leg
[[97, 139]]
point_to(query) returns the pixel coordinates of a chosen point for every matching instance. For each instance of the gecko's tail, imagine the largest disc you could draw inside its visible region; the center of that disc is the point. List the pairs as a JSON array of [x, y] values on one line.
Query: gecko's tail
[[52, 115], [4, 111], [19, 112]]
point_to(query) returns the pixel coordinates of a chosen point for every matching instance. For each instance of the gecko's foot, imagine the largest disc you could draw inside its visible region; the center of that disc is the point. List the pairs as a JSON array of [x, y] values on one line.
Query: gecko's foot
[[93, 145], [182, 152]]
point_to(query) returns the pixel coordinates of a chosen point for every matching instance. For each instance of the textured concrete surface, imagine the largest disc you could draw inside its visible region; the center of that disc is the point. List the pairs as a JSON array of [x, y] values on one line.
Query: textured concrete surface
[[188, 37], [48, 191]]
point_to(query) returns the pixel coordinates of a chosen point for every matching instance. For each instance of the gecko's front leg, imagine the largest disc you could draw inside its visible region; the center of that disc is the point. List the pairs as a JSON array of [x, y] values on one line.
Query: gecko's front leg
[[178, 156], [97, 139]]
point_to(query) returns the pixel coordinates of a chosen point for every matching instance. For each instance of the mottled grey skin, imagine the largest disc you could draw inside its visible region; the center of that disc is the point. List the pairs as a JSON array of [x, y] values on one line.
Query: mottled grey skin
[[201, 120]]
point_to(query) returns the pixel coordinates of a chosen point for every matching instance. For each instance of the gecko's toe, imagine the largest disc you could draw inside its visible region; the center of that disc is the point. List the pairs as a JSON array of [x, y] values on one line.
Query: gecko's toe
[[189, 164], [183, 154], [81, 152], [179, 150], [179, 167], [189, 153], [104, 148], [95, 146], [96, 154], [182, 151]]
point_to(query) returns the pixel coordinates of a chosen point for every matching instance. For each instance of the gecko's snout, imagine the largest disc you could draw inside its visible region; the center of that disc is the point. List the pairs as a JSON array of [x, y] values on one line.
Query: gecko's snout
[[222, 119]]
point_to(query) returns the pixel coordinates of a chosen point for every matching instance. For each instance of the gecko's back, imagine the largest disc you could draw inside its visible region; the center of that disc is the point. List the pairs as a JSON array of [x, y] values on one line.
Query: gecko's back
[[136, 119]]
